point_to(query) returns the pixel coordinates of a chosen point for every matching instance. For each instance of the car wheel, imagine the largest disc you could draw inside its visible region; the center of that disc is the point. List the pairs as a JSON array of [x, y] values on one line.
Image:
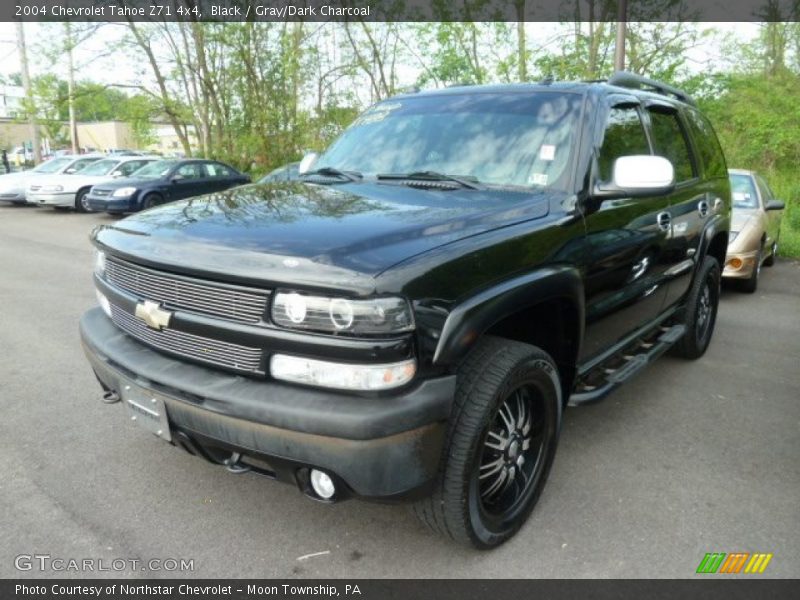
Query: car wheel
[[700, 311], [750, 285], [82, 202], [501, 443], [150, 200], [770, 260]]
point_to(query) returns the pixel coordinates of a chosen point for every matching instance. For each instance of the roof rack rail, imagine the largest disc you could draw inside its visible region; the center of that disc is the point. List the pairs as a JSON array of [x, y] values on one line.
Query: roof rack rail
[[632, 80]]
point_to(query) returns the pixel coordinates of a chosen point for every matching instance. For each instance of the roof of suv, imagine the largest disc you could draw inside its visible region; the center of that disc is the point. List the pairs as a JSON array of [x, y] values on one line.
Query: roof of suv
[[621, 83]]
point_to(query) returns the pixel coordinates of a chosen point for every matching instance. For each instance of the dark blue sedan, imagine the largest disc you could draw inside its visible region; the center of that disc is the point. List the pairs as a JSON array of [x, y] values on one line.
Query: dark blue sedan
[[163, 181]]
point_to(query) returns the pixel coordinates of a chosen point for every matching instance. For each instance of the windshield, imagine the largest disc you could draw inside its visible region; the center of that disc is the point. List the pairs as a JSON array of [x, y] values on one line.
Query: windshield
[[154, 170], [103, 167], [743, 191], [52, 166], [518, 139]]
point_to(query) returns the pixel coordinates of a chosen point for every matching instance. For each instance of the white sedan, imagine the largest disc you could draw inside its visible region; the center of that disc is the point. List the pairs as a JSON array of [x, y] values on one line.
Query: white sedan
[[69, 190], [13, 185]]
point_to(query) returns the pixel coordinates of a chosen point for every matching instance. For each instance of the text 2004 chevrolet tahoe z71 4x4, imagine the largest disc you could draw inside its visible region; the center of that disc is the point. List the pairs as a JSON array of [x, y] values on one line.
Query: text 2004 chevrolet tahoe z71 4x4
[[410, 318]]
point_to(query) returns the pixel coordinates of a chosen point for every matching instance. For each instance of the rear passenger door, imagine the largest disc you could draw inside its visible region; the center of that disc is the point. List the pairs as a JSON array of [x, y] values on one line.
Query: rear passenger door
[[689, 206], [219, 176]]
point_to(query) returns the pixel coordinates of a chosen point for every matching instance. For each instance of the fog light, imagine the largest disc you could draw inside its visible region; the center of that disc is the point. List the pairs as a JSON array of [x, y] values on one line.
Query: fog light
[[342, 376], [735, 263], [104, 303], [322, 484]]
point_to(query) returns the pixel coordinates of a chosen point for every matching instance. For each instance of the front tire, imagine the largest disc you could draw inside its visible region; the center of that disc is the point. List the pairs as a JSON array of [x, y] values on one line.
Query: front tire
[[770, 260], [700, 311], [151, 200], [501, 443], [750, 285], [82, 203]]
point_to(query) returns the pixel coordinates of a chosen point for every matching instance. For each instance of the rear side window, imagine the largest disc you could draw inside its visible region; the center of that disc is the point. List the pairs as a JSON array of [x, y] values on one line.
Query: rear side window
[[624, 136], [218, 170], [669, 141], [707, 144]]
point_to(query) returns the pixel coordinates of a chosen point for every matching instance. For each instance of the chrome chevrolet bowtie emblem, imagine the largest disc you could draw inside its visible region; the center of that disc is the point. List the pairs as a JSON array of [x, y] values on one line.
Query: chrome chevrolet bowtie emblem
[[153, 315]]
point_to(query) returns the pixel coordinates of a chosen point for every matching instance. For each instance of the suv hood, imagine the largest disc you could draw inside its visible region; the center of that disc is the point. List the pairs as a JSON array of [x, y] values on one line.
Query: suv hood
[[340, 235]]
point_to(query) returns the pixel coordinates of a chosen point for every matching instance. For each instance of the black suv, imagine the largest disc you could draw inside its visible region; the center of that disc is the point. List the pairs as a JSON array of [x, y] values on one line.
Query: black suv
[[410, 318]]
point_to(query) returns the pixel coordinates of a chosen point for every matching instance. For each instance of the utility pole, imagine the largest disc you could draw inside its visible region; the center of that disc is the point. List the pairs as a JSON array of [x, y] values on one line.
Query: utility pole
[[26, 84], [622, 22], [73, 127]]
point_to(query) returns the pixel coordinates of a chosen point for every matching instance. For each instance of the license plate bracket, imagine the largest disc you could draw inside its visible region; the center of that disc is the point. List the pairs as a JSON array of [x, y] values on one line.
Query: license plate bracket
[[146, 408]]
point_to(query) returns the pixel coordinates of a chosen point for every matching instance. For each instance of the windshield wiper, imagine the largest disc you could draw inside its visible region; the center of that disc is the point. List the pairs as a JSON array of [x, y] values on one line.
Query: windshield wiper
[[334, 172], [432, 176]]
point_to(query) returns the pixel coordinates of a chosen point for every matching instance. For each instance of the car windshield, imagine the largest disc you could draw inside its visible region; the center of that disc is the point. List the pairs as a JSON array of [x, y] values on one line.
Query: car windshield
[[743, 191], [155, 170], [507, 139], [52, 166], [102, 167]]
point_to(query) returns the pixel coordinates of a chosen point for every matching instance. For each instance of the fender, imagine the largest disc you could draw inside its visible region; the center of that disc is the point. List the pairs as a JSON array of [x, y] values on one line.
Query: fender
[[472, 317], [718, 223]]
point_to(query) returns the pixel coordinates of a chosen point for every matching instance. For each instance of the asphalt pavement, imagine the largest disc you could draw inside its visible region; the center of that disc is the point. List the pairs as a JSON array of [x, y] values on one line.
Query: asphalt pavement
[[688, 458]]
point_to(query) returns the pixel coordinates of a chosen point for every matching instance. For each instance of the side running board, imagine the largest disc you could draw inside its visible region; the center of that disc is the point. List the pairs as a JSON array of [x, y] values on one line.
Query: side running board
[[611, 373]]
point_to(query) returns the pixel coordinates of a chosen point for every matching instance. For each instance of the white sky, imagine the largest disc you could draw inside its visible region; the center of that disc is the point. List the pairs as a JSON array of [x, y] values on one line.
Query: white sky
[[94, 62]]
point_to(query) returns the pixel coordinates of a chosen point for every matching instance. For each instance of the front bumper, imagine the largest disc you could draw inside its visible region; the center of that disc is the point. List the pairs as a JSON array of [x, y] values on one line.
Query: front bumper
[[747, 262], [111, 204], [54, 199], [379, 447]]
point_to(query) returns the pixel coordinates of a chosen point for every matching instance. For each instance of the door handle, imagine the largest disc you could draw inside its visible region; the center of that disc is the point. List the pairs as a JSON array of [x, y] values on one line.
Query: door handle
[[664, 220], [703, 207]]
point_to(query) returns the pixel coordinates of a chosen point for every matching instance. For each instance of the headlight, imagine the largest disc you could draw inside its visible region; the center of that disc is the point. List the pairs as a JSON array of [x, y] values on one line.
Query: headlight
[[342, 376], [126, 191], [99, 263], [52, 188], [333, 315], [732, 236]]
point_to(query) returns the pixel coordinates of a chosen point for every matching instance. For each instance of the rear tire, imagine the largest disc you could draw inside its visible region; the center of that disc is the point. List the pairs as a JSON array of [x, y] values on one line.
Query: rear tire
[[700, 311], [501, 443]]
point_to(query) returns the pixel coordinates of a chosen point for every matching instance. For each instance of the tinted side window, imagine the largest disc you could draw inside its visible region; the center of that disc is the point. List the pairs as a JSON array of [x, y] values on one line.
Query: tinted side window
[[670, 142], [191, 171], [624, 136], [707, 144]]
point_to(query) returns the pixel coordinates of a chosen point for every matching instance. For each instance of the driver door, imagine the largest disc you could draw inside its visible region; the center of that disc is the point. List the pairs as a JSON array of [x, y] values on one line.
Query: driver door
[[624, 271]]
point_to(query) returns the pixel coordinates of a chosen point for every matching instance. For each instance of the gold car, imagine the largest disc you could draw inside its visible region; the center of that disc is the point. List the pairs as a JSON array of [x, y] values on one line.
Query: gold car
[[755, 228]]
